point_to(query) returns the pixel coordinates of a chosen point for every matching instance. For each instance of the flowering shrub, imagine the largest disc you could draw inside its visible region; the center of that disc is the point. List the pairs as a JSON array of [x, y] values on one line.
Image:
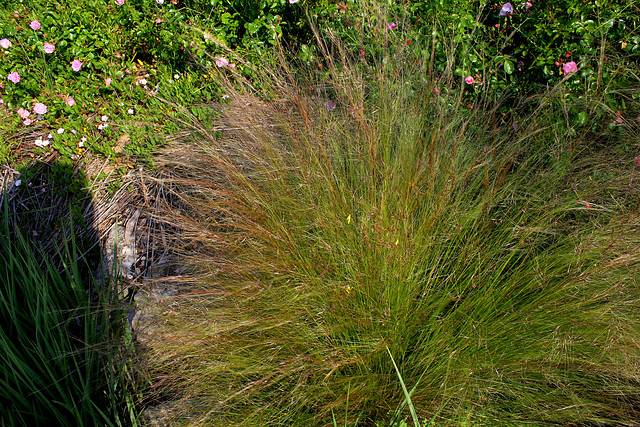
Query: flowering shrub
[[496, 48], [83, 59]]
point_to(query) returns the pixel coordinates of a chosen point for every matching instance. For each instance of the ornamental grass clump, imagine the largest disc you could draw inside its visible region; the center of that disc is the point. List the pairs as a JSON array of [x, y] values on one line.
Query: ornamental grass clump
[[331, 249], [63, 341]]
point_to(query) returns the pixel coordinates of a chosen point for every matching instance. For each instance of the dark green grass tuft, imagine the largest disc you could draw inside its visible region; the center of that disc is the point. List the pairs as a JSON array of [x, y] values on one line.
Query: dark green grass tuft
[[62, 353]]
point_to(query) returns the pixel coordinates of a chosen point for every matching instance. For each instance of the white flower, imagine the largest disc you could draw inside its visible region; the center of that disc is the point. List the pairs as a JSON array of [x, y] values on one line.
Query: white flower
[[41, 142], [176, 76], [130, 111], [104, 118], [17, 183], [102, 126], [49, 136], [143, 82], [160, 1], [60, 131]]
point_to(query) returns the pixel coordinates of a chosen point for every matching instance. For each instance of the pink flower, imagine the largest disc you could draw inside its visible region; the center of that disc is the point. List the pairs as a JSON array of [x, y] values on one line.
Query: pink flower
[[637, 161], [27, 122], [391, 26], [468, 80], [569, 67], [507, 9], [6, 44], [526, 5], [158, 21], [76, 65], [119, 2], [49, 48], [14, 77], [293, 1], [35, 25], [23, 113], [222, 62], [40, 108], [70, 101], [108, 81]]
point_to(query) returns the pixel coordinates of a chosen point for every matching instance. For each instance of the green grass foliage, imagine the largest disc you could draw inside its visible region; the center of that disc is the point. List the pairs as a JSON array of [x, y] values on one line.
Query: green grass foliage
[[61, 360], [364, 241]]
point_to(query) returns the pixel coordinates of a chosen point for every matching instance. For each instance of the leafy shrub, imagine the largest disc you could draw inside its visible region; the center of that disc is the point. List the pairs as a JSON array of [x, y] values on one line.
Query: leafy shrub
[[526, 49]]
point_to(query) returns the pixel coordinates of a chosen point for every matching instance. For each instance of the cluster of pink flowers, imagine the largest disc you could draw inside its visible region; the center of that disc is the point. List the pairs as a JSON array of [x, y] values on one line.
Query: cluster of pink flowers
[[14, 77], [224, 62], [570, 67], [38, 108]]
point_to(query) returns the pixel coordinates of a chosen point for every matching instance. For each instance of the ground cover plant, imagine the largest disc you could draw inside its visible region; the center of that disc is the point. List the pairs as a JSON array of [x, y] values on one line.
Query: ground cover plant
[[364, 251], [86, 74]]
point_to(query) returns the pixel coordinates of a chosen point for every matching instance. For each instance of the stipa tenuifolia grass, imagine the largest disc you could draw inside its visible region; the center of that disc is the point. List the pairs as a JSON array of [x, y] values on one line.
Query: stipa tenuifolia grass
[[367, 213]]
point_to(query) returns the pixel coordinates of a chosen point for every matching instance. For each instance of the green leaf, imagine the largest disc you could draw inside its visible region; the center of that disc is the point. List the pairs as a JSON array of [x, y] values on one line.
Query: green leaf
[[508, 67], [583, 117]]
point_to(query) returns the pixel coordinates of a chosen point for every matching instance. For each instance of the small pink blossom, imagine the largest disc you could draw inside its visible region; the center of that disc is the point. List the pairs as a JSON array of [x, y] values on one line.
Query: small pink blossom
[[27, 122], [70, 101], [569, 67], [108, 81], [468, 80], [158, 21], [222, 62], [637, 161], [6, 44], [293, 1], [76, 65], [526, 5], [23, 113], [391, 26], [39, 108], [14, 77], [35, 25], [119, 2], [507, 9], [49, 48]]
